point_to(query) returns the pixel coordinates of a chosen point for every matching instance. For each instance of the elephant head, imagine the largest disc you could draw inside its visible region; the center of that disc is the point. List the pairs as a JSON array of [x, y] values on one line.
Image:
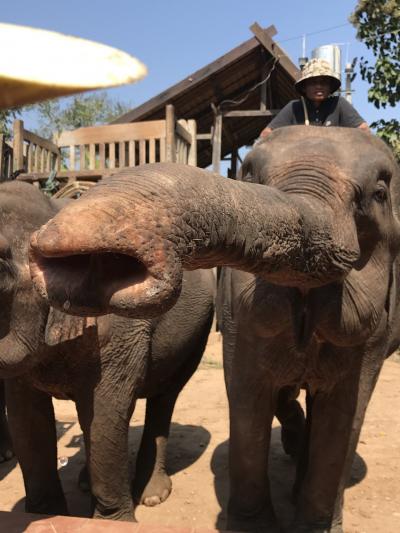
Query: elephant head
[[313, 204]]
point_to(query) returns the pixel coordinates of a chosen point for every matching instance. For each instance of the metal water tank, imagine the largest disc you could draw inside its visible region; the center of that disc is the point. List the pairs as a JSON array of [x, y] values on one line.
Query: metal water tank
[[331, 53]]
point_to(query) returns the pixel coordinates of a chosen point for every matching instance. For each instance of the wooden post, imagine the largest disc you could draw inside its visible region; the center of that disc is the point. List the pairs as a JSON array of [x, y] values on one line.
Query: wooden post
[[18, 145], [170, 150], [263, 94], [2, 158], [233, 168], [192, 128], [216, 143]]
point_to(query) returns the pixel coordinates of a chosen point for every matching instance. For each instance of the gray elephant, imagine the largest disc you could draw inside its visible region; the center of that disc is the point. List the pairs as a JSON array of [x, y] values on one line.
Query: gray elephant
[[313, 238], [102, 363]]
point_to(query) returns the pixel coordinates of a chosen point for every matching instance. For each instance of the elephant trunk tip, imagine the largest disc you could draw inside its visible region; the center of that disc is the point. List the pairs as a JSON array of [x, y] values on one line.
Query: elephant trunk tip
[[90, 281]]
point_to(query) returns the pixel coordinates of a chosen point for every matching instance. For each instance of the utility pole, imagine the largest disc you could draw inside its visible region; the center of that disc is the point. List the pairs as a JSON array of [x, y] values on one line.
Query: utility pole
[[349, 76]]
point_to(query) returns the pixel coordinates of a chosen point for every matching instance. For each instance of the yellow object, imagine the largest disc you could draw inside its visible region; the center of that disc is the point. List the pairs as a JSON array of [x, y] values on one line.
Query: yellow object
[[38, 64]]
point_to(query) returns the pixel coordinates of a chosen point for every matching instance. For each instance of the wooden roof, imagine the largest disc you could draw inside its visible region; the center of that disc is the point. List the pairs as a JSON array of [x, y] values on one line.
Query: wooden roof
[[229, 77]]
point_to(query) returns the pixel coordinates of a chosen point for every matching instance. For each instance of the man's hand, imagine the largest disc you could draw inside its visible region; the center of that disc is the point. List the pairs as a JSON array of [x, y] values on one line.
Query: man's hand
[[265, 132], [363, 126]]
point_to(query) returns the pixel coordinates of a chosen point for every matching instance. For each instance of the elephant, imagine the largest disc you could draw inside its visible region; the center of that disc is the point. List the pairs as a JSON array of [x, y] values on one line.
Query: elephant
[[102, 363], [308, 239]]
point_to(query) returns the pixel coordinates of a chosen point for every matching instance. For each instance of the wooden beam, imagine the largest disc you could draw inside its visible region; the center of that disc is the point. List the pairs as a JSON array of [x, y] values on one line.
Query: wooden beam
[[264, 38], [186, 85], [18, 145], [263, 88], [192, 155], [2, 157], [39, 141], [68, 174], [183, 132], [216, 143], [153, 129], [204, 136], [170, 150], [251, 113]]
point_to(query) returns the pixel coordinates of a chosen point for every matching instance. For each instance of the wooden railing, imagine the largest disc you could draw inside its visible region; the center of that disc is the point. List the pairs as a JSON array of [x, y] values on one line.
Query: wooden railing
[[33, 154], [99, 151]]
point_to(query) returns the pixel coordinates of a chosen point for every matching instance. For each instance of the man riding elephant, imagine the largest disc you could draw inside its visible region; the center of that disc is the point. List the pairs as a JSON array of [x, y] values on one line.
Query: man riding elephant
[[317, 105]]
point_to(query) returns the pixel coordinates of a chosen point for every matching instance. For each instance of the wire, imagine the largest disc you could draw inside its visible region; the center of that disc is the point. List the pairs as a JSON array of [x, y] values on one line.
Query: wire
[[314, 32], [238, 102]]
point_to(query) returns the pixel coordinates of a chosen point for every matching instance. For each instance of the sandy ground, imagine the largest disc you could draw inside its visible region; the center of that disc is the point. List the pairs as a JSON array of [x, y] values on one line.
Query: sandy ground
[[198, 458]]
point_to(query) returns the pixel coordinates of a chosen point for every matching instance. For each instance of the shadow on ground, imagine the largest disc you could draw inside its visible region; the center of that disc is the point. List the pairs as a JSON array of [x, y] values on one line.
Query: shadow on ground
[[182, 454], [282, 474]]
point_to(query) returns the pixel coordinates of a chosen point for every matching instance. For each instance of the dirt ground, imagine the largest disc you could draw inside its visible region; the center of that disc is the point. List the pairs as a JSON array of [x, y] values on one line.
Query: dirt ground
[[198, 458]]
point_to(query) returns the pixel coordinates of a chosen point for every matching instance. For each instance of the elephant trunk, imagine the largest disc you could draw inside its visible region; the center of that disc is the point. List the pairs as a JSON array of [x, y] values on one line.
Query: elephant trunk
[[122, 247], [22, 331]]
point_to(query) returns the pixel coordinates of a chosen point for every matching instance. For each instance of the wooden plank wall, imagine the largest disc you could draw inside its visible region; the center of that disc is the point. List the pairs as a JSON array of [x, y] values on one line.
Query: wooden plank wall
[[99, 151]]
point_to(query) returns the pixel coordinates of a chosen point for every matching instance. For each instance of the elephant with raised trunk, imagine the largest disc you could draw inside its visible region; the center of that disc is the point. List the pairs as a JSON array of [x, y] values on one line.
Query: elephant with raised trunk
[[312, 234], [104, 364]]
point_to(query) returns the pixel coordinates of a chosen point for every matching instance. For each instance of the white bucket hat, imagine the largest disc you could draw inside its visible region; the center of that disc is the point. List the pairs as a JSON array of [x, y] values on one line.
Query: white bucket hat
[[316, 68]]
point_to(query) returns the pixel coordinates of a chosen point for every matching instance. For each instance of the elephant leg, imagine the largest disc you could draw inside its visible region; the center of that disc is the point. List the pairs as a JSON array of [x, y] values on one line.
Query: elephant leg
[[252, 402], [291, 417], [152, 484], [33, 430], [104, 419], [6, 448], [336, 421]]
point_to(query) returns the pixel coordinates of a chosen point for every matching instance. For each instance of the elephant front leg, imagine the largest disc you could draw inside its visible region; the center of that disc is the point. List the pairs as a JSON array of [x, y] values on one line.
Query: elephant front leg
[[33, 430], [104, 420], [336, 421], [252, 403]]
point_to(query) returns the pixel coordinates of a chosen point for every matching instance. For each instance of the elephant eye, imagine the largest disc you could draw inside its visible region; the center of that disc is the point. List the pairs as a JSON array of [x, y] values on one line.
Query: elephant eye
[[380, 195]]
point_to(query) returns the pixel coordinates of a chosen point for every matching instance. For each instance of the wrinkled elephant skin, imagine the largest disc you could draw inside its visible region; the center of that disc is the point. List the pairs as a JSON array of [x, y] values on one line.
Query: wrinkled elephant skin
[[311, 235], [103, 364]]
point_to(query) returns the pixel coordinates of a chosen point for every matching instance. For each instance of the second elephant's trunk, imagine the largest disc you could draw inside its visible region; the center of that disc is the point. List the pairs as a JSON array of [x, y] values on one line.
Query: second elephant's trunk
[[122, 247]]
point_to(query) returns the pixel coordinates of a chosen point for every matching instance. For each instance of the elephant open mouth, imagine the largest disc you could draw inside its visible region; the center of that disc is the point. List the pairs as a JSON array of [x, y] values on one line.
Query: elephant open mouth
[[93, 284]]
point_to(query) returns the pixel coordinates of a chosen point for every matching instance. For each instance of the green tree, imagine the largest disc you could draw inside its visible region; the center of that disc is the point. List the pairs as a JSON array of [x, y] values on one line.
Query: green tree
[[6, 118], [76, 112], [378, 26]]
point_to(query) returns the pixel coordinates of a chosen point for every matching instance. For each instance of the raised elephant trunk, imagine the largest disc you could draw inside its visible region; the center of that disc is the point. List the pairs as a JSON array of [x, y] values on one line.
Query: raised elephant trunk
[[122, 247]]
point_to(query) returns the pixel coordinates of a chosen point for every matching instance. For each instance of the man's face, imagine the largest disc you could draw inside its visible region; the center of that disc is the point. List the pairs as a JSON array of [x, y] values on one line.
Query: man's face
[[317, 89]]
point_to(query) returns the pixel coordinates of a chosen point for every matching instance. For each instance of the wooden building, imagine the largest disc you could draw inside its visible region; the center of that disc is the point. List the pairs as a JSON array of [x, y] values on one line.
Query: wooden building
[[232, 99], [206, 117]]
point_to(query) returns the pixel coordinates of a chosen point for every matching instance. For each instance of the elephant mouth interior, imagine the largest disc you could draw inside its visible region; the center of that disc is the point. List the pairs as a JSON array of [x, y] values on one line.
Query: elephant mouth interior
[[81, 282]]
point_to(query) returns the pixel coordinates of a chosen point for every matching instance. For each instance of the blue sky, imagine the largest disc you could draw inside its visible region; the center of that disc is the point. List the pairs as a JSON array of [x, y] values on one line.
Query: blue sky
[[176, 37]]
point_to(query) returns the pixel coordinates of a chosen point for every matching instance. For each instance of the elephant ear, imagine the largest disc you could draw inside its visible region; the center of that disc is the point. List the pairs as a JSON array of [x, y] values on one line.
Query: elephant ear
[[252, 167], [61, 327]]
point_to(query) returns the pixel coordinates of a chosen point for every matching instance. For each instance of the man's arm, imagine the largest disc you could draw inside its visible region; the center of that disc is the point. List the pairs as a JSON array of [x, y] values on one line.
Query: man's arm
[[349, 117]]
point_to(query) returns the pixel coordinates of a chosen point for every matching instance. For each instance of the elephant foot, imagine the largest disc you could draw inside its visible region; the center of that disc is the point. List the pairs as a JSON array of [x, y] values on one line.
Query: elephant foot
[[315, 528], [155, 492], [84, 480], [49, 505], [6, 447], [126, 514], [262, 523]]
